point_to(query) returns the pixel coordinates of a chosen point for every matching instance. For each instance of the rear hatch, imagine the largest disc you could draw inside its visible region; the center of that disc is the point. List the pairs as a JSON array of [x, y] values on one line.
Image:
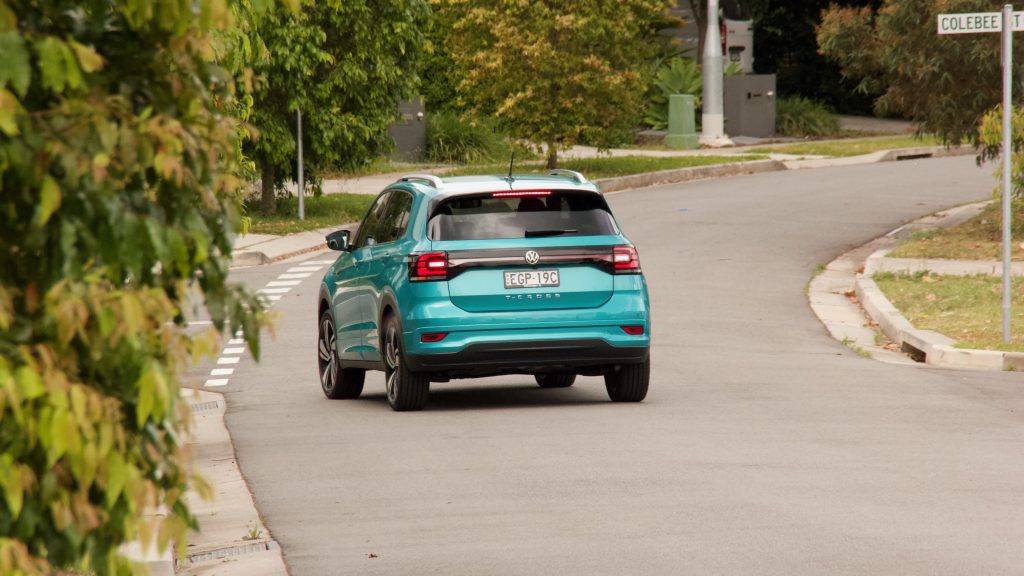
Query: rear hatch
[[526, 250]]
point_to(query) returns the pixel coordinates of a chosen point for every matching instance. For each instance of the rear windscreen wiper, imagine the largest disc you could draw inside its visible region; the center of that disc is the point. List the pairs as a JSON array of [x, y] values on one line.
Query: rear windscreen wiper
[[537, 233]]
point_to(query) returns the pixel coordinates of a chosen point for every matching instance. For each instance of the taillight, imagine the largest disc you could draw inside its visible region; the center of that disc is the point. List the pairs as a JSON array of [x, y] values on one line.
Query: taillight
[[625, 260], [427, 267], [633, 330]]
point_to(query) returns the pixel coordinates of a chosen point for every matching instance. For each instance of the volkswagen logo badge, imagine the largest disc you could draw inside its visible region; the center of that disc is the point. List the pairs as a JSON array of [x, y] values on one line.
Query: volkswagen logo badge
[[532, 257]]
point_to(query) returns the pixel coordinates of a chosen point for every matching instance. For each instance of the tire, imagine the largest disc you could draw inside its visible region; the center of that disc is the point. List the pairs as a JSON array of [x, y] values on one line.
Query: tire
[[337, 383], [555, 380], [629, 383], [407, 390]]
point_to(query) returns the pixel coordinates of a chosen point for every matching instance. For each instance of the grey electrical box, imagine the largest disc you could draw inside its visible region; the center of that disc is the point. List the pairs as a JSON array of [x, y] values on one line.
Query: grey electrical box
[[750, 105], [738, 44], [409, 132]]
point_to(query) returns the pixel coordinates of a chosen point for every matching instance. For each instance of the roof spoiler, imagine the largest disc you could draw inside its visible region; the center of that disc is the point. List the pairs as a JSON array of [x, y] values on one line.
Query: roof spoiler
[[434, 181], [579, 178]]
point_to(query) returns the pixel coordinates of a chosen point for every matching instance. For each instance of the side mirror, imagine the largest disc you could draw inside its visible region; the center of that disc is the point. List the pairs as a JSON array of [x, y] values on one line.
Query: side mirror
[[338, 240]]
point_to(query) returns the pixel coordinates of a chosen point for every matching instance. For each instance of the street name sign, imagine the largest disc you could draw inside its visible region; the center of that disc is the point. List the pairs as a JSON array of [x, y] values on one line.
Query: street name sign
[[977, 22]]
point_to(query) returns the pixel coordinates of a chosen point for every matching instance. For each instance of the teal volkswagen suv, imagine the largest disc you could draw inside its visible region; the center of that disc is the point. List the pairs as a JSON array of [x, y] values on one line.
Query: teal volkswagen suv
[[480, 276]]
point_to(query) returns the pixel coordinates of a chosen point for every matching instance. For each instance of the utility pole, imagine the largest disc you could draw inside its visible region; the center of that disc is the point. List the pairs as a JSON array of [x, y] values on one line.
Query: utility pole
[[713, 118]]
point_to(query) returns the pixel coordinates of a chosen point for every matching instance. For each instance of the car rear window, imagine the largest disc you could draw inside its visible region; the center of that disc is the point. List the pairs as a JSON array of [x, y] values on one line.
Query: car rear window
[[536, 214]]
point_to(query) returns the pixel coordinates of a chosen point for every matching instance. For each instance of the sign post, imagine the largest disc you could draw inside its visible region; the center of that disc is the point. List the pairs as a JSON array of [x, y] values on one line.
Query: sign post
[[298, 167], [1006, 23]]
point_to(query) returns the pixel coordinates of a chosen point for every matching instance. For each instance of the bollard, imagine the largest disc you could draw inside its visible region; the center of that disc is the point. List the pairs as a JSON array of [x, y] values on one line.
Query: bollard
[[682, 131]]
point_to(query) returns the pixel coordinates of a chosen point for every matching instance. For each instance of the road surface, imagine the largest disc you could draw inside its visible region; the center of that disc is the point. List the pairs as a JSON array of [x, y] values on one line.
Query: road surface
[[764, 446]]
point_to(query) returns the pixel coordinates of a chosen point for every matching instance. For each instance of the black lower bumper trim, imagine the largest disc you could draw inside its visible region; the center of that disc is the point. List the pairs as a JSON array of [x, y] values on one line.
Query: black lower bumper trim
[[527, 357]]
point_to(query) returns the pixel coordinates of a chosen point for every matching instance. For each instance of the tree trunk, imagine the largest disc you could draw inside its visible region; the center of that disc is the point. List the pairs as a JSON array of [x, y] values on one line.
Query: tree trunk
[[552, 156], [699, 8], [268, 199]]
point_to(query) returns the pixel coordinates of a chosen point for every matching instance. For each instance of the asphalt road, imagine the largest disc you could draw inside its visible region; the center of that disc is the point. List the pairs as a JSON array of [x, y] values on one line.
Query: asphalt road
[[764, 446]]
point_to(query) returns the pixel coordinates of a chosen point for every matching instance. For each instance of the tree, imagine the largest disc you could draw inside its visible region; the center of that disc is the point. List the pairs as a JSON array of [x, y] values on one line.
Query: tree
[[944, 83], [119, 202], [785, 44], [344, 64], [556, 72]]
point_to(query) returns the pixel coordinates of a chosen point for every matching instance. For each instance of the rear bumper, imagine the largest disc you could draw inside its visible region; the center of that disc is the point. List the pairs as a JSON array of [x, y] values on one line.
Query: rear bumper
[[529, 356]]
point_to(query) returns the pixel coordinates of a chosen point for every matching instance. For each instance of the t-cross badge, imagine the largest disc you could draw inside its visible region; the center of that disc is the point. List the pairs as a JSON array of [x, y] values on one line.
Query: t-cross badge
[[480, 276]]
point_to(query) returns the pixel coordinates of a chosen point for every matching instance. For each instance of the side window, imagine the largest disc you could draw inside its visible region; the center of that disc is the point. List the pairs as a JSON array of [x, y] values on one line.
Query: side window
[[368, 229], [396, 218]]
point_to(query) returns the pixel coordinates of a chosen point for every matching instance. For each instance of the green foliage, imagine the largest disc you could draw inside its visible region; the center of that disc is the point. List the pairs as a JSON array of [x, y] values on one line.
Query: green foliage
[[990, 138], [438, 78], [118, 158], [676, 76], [345, 65], [452, 139], [946, 83], [785, 45], [556, 72], [800, 116]]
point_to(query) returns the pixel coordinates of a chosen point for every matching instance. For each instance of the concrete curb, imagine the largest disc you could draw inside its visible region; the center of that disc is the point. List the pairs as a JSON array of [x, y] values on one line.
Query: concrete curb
[[679, 175], [852, 324], [232, 539], [928, 346]]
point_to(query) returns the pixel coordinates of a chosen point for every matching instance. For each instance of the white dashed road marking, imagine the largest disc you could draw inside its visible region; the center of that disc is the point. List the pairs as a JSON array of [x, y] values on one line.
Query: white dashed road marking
[[272, 292]]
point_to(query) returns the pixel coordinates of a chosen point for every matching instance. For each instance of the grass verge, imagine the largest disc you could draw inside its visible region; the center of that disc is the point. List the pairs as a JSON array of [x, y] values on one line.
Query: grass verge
[[980, 238], [965, 308], [607, 167], [321, 212], [379, 166], [843, 148]]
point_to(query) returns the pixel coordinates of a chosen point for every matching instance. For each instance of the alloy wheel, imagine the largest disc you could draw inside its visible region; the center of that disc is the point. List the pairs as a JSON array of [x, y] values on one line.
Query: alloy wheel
[[392, 362], [327, 355]]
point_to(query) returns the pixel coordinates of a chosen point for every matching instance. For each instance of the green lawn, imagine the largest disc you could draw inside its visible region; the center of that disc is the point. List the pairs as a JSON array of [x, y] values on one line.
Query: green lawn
[[980, 238], [607, 167], [965, 308], [851, 147], [321, 212]]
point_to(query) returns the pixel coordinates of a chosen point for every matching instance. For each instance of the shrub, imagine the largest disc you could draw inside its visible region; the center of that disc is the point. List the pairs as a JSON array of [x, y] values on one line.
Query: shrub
[[677, 76], [118, 171], [799, 116], [452, 139]]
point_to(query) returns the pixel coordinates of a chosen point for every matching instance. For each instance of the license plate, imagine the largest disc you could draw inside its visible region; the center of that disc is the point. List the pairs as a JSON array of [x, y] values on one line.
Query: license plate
[[531, 279]]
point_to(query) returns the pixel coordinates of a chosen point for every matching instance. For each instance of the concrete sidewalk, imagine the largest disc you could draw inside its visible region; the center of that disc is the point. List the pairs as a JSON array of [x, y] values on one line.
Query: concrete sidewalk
[[856, 312]]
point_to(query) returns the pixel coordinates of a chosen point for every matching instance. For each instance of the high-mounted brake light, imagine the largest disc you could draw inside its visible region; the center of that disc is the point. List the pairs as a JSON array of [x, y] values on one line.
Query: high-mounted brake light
[[427, 267], [521, 193], [625, 260]]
